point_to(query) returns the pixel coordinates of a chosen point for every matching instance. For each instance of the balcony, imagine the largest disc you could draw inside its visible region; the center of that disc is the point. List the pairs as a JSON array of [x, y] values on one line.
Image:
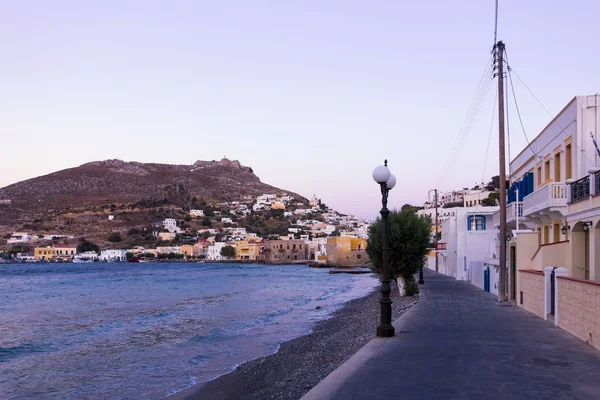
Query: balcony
[[546, 204], [513, 210], [580, 189]]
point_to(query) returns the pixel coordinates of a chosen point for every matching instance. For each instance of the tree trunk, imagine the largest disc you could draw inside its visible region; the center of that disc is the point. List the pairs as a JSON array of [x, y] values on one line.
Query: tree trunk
[[401, 286]]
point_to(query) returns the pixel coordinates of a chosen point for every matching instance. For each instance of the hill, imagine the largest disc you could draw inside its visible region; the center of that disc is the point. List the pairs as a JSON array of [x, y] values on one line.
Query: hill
[[100, 187]]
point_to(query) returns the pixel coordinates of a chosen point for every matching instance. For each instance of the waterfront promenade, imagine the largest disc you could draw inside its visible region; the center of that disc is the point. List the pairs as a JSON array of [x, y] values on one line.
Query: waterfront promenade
[[458, 342]]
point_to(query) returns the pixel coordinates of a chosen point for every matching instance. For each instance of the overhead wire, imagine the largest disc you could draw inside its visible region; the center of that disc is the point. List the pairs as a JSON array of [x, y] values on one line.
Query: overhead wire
[[467, 130], [474, 108], [487, 150], [510, 72], [474, 104]]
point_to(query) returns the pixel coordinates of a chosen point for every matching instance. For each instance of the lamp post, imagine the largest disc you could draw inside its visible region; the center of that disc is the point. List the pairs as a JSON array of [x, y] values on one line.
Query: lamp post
[[386, 181]]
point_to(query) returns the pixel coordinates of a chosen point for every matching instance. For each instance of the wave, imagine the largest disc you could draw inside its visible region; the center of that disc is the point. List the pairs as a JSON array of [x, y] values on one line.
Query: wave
[[10, 353]]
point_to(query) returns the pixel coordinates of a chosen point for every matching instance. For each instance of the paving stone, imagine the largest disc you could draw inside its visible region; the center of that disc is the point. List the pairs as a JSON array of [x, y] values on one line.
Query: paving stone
[[459, 343]]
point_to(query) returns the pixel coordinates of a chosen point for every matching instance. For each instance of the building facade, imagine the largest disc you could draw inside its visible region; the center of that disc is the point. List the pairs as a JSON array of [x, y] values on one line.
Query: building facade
[[285, 251], [552, 206], [347, 252], [469, 247]]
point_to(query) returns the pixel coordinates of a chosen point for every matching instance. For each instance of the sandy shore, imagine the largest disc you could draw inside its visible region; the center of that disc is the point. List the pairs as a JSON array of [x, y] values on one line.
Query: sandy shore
[[303, 362]]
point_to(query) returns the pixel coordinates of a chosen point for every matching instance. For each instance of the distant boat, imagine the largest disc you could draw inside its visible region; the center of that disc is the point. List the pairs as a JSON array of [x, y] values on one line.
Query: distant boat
[[86, 257], [133, 259]]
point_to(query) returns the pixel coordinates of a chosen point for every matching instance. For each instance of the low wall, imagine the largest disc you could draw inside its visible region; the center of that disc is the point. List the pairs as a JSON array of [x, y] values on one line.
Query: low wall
[[531, 296], [579, 308]]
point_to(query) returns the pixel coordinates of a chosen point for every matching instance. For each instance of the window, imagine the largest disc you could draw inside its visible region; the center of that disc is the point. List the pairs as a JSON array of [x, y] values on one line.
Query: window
[[557, 164], [547, 171], [476, 223], [546, 234], [358, 256], [568, 171], [539, 176], [556, 232]]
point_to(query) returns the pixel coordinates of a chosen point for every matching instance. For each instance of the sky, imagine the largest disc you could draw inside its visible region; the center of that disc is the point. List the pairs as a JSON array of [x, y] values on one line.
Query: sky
[[311, 94]]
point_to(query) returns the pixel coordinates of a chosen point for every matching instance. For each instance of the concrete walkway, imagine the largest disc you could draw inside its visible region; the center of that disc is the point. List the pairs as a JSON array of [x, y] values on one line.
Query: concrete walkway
[[458, 342]]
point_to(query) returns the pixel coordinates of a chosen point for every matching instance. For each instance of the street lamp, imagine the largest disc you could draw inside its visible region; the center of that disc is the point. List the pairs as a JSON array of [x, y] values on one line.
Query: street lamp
[[386, 181]]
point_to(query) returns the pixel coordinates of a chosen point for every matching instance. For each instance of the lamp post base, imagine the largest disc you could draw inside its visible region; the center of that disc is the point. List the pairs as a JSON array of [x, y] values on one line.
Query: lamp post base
[[385, 330]]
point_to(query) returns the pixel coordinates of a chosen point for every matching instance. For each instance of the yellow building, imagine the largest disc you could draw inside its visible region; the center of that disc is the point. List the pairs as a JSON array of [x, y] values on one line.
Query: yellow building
[[44, 253], [57, 251], [277, 206], [166, 236], [247, 250], [187, 250], [347, 252], [65, 251]]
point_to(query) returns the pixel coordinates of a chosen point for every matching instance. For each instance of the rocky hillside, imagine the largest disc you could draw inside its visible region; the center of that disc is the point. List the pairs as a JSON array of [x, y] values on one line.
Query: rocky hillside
[[104, 183]]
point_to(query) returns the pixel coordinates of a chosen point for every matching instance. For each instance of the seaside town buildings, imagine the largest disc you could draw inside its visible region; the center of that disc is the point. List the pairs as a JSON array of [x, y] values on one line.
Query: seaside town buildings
[[331, 239], [553, 221]]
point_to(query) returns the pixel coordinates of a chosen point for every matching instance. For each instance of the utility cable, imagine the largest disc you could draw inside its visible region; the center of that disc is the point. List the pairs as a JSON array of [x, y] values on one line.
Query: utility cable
[[487, 150], [510, 71], [480, 95], [462, 131], [519, 114]]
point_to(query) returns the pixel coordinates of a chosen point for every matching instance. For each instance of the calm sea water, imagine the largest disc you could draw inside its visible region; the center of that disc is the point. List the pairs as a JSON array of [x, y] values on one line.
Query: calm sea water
[[147, 330]]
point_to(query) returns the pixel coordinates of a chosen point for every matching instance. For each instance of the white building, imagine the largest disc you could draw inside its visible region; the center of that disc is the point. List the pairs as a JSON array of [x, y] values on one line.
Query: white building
[[196, 213], [315, 201], [469, 241], [214, 251], [171, 225], [473, 198], [553, 194], [210, 231], [241, 232], [266, 199], [226, 220], [19, 237], [453, 196], [168, 249], [113, 255]]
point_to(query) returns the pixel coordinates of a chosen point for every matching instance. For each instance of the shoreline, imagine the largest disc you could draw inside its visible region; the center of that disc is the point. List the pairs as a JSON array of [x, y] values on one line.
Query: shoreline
[[303, 362]]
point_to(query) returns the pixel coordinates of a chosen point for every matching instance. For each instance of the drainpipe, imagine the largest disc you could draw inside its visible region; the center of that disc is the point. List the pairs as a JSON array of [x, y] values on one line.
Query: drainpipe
[[517, 208]]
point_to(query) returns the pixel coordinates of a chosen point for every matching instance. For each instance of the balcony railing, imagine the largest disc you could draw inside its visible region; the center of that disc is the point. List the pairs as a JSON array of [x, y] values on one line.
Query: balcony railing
[[551, 195], [513, 210], [580, 189]]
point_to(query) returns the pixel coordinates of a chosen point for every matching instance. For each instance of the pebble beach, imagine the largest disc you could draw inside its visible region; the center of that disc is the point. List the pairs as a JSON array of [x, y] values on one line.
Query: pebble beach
[[302, 363]]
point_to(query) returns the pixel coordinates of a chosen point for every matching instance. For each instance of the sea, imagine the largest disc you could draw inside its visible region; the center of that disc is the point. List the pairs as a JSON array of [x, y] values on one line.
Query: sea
[[150, 330]]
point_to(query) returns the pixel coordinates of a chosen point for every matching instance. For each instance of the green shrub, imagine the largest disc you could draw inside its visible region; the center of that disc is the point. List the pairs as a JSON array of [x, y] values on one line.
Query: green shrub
[[114, 237], [411, 287]]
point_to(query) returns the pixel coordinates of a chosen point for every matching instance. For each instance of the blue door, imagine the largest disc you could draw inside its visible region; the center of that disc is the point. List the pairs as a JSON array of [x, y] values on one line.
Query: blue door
[[486, 279]]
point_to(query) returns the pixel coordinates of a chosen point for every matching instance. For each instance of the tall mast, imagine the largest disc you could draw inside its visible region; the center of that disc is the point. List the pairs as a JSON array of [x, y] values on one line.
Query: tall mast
[[502, 173]]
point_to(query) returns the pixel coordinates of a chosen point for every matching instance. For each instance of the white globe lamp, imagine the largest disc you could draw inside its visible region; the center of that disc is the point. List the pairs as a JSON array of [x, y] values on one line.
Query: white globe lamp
[[381, 174], [391, 182]]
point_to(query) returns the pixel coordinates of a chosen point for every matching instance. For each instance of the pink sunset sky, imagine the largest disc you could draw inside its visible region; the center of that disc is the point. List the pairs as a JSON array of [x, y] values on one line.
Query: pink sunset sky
[[311, 94]]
